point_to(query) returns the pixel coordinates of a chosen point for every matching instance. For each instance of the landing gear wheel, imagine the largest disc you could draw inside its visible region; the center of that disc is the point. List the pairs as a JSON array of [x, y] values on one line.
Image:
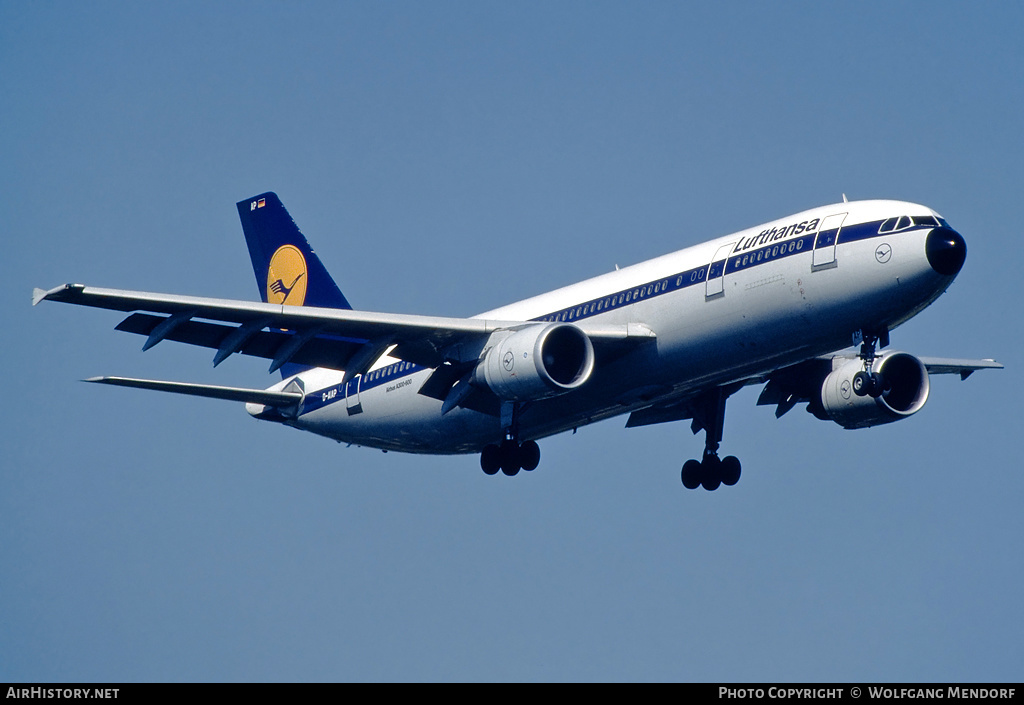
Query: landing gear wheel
[[868, 384], [691, 474], [862, 384], [730, 470], [510, 457], [490, 459], [711, 471], [509, 454], [877, 385], [529, 455]]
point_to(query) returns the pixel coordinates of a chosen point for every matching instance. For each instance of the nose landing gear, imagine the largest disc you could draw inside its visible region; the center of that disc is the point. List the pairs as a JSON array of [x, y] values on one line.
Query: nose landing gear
[[866, 382]]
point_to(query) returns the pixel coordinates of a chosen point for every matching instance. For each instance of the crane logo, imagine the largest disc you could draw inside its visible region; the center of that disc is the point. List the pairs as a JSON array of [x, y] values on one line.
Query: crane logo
[[287, 277]]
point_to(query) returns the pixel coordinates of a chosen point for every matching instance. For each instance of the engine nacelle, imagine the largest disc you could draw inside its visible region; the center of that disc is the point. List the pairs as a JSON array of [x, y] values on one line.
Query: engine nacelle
[[538, 361], [906, 391]]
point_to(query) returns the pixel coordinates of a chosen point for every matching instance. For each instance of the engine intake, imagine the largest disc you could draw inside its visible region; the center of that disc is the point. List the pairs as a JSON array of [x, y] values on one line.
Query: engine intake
[[538, 361], [906, 386]]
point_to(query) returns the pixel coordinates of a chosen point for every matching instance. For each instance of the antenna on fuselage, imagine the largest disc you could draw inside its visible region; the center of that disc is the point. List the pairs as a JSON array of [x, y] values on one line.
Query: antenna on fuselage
[[845, 200]]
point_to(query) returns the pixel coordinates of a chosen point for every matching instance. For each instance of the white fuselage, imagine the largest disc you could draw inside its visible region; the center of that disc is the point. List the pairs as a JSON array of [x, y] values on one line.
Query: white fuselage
[[788, 292]]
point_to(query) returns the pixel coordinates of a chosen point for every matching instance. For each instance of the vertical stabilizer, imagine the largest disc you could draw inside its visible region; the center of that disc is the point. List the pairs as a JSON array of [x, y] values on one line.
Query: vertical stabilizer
[[287, 270]]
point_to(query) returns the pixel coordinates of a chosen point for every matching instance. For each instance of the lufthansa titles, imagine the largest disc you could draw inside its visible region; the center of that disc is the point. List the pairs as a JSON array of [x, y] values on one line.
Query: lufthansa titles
[[769, 236]]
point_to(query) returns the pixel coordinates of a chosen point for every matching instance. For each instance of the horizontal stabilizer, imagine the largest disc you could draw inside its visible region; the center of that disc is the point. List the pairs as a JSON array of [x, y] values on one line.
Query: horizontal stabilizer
[[256, 396]]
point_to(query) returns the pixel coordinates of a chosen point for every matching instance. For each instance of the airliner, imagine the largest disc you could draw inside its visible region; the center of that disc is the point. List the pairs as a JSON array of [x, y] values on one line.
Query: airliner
[[802, 305]]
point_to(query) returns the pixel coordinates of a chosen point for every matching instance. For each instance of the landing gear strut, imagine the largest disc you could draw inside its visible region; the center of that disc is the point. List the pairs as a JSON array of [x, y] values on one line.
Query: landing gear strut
[[510, 456], [866, 382], [711, 471]]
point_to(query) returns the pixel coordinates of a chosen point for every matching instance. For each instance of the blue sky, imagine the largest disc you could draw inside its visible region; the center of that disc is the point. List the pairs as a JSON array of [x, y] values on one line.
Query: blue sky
[[447, 158]]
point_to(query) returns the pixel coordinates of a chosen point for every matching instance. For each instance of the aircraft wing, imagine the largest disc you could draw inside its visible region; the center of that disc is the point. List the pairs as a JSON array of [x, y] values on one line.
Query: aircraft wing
[[964, 368], [789, 386], [341, 339]]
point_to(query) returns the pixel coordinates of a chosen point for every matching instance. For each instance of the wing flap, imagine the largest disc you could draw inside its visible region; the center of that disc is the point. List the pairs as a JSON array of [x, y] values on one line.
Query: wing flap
[[321, 351]]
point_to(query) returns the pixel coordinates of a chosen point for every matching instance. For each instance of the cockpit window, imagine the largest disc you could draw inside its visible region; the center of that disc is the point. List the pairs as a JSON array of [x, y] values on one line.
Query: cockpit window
[[891, 225], [926, 220]]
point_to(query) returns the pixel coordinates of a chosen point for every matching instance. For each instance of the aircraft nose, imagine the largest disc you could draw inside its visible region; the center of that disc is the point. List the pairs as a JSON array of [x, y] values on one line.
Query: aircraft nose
[[946, 251]]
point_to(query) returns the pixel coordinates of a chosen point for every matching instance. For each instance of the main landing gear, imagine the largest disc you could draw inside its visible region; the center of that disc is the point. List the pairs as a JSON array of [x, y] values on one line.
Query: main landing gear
[[510, 456], [866, 382], [711, 471]]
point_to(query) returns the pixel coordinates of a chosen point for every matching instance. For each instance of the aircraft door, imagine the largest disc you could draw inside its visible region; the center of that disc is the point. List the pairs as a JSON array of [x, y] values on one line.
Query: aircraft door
[[715, 280], [352, 395], [824, 256]]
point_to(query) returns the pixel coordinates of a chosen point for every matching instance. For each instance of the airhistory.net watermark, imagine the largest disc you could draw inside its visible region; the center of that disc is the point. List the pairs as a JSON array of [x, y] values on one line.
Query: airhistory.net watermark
[[62, 693]]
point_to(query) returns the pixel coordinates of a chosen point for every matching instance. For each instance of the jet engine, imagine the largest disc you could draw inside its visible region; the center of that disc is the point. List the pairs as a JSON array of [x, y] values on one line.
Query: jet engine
[[905, 390], [538, 361]]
